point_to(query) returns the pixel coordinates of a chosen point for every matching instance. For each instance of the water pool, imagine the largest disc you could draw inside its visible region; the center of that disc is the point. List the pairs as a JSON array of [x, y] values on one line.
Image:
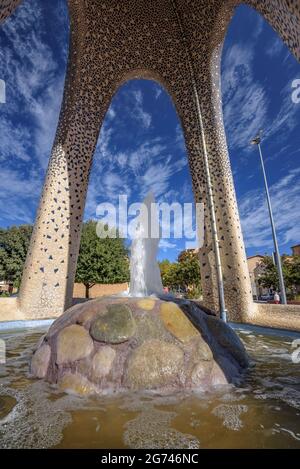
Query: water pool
[[263, 413]]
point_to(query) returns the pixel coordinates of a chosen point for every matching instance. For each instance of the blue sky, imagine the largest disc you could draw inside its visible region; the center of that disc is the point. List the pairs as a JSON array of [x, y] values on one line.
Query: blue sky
[[141, 146]]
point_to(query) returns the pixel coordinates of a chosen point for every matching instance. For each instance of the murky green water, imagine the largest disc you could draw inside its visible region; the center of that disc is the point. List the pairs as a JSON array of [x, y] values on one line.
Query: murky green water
[[263, 413]]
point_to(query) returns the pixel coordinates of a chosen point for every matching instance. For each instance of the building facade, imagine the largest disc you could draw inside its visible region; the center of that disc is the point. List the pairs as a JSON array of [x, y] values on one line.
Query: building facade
[[296, 250]]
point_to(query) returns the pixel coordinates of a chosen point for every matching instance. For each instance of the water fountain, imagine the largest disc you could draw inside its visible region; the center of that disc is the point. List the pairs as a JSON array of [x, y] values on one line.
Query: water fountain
[[144, 363], [145, 341], [145, 278]]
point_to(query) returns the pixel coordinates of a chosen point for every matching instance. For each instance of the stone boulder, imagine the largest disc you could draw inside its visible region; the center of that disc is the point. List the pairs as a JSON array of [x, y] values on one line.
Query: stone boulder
[[114, 344]]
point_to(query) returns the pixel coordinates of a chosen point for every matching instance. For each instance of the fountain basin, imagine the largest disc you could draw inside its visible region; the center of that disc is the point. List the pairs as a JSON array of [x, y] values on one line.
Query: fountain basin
[[122, 344], [262, 412]]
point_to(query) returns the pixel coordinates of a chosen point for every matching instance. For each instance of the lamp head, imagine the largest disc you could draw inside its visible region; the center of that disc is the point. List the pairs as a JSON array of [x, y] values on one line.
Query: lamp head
[[257, 139]]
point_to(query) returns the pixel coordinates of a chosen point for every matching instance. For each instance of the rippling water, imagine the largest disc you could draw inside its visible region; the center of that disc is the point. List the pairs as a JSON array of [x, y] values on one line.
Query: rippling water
[[263, 413]]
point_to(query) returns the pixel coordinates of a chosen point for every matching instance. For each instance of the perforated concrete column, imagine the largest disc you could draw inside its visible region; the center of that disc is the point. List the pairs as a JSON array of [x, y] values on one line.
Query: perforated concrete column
[[284, 17], [111, 42], [48, 276], [7, 7]]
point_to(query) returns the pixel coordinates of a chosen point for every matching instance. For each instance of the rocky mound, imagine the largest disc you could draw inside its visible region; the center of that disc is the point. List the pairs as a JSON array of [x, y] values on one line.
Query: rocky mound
[[118, 344]]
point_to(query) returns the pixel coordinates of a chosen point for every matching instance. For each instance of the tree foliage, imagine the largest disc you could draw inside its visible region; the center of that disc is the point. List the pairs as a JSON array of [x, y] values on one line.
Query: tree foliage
[[14, 243], [164, 267], [183, 274], [291, 273], [101, 260]]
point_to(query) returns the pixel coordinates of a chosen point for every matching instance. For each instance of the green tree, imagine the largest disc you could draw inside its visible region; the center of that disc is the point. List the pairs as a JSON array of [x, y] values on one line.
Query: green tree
[[14, 243], [294, 275], [189, 269], [101, 260], [184, 274], [291, 273], [169, 275], [269, 277], [164, 267]]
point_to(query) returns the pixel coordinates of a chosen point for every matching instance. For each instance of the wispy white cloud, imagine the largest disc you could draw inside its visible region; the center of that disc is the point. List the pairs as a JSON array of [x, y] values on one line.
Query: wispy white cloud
[[19, 194], [134, 167], [138, 111], [30, 73], [15, 141], [285, 199], [165, 244], [115, 185], [145, 154], [287, 118], [45, 112], [157, 176], [245, 100], [249, 105], [28, 64], [274, 47], [158, 92], [34, 76]]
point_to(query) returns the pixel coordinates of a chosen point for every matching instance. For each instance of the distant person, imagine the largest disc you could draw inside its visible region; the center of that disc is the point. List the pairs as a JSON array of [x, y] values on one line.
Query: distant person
[[276, 298]]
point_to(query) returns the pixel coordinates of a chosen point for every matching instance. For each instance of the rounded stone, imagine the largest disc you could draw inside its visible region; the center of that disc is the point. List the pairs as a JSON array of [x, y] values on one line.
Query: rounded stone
[[102, 362], [149, 327], [218, 377], [227, 338], [176, 322], [86, 317], [154, 364], [159, 349], [115, 326], [202, 350], [200, 376], [73, 343], [40, 361], [146, 303], [76, 383]]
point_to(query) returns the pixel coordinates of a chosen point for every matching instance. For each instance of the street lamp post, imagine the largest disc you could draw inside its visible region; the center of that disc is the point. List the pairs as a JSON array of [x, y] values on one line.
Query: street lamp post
[[211, 204], [257, 141]]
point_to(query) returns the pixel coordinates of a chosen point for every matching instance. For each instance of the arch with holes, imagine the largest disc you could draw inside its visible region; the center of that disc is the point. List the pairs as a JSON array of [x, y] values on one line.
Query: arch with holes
[[111, 42]]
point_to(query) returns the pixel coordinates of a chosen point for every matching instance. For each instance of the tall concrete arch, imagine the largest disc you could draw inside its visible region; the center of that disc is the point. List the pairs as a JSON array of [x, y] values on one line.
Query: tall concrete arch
[[112, 41]]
